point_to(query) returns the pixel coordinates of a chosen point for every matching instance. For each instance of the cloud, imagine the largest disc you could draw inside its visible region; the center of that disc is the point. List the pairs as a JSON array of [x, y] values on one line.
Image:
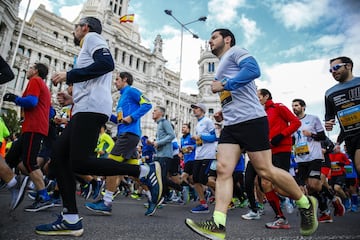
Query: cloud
[[251, 32], [330, 41], [308, 80], [294, 51], [70, 12], [299, 14], [33, 6], [224, 11]]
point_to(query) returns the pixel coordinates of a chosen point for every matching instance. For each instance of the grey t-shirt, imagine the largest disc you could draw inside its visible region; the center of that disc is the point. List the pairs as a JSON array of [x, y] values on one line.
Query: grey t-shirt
[[241, 104]]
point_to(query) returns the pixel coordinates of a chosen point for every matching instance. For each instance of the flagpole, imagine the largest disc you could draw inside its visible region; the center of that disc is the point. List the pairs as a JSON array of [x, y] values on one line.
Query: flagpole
[[15, 50]]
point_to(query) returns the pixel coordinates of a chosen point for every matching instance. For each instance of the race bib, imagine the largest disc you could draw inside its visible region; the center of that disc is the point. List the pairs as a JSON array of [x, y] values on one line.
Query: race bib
[[302, 149], [350, 118]]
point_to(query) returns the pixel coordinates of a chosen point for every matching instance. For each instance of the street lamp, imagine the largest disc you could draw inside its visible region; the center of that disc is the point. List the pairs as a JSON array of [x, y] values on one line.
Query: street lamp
[[183, 26]]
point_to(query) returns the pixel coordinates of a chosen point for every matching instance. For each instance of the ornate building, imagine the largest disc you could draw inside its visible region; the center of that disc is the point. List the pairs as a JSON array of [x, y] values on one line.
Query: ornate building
[[47, 38]]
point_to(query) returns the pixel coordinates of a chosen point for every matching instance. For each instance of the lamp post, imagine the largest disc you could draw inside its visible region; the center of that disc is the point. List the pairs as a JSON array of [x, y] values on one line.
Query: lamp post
[[183, 26]]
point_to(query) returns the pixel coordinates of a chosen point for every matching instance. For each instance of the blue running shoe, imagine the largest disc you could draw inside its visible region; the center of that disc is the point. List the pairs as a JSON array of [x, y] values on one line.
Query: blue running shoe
[[154, 181], [97, 189], [99, 207], [152, 207], [61, 227], [39, 205], [200, 209]]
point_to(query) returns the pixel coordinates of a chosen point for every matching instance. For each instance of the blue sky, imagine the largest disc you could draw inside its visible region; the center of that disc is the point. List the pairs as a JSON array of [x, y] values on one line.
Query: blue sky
[[292, 40]]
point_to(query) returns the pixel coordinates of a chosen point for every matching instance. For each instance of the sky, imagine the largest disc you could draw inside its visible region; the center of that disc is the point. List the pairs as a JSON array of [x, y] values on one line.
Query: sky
[[291, 40]]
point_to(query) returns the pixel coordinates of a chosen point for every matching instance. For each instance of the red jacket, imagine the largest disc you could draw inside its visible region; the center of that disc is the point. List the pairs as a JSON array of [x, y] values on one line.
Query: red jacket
[[281, 121], [338, 161]]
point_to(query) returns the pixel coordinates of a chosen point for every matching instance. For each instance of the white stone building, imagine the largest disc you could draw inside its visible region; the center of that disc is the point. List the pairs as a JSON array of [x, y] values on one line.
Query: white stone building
[[48, 38]]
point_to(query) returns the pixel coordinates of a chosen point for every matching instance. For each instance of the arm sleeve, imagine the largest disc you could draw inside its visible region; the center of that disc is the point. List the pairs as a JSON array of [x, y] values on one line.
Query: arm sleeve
[[103, 63], [329, 109], [170, 133], [113, 119], [211, 137], [319, 136], [110, 142], [144, 103], [29, 101], [249, 70]]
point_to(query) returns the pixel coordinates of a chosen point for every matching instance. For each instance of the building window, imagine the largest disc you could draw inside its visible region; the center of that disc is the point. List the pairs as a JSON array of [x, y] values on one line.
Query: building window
[[66, 39], [144, 67], [130, 60], [211, 111], [56, 34], [116, 54], [21, 50], [39, 56], [137, 63], [123, 57], [28, 53]]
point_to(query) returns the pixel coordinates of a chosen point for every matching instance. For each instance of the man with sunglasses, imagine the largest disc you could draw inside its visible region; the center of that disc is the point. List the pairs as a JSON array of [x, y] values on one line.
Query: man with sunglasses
[[73, 152], [343, 101]]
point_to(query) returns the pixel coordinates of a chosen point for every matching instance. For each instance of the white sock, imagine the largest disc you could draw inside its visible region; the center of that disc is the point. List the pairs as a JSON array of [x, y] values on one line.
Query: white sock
[[71, 218], [144, 171], [108, 197], [12, 182]]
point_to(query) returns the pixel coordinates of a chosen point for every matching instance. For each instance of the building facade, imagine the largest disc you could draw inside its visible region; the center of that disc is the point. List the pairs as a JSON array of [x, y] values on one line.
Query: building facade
[[48, 38]]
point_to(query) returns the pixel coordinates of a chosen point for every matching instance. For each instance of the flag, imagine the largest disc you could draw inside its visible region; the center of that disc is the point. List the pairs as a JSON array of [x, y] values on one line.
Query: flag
[[127, 18]]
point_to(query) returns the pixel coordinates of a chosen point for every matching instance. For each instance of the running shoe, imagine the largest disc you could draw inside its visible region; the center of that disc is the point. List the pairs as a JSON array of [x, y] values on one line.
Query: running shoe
[[61, 227], [347, 204], [86, 190], [251, 215], [279, 223], [18, 191], [354, 208], [154, 181], [151, 209], [39, 205], [207, 228], [97, 189], [99, 207], [339, 209], [56, 201], [325, 217], [309, 222], [244, 203], [2, 184], [185, 194], [32, 194], [200, 209]]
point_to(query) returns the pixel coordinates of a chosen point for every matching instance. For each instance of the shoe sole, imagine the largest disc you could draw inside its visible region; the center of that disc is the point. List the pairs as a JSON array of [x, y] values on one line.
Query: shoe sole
[[278, 227], [21, 192], [193, 227], [75, 233], [39, 209], [314, 205], [197, 212], [98, 211]]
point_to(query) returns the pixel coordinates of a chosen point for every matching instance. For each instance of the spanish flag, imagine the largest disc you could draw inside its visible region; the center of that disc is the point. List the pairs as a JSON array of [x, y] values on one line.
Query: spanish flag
[[127, 18]]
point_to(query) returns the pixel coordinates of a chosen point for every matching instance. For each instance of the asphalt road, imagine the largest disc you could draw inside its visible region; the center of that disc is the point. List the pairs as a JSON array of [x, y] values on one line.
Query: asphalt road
[[128, 222]]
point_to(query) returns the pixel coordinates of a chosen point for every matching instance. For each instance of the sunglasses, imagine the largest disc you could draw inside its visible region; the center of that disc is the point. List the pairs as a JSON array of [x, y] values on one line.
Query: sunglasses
[[79, 24], [336, 67]]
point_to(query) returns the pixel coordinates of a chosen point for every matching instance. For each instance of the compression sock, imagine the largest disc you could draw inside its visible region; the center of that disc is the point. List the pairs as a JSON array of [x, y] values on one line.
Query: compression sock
[[303, 202], [219, 218]]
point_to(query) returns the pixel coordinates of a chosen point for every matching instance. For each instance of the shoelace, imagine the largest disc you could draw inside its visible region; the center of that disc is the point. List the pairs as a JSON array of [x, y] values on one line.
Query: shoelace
[[209, 225]]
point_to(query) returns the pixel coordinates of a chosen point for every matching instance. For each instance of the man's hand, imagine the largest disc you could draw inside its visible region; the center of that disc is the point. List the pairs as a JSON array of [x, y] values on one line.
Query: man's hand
[[64, 99], [10, 97], [58, 78], [218, 116], [329, 124], [127, 120], [216, 86]]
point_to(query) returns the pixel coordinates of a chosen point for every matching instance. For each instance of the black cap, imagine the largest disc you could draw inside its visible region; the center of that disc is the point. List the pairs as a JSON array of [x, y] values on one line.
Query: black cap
[[93, 23]]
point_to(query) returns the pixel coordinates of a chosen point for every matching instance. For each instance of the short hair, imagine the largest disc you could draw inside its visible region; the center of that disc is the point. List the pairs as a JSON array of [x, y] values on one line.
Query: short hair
[[343, 59], [264, 92], [226, 33], [93, 23], [300, 101], [42, 69], [188, 125], [162, 109], [128, 76]]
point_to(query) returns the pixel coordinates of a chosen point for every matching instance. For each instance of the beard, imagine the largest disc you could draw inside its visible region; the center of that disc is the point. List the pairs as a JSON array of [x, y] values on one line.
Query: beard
[[76, 41], [342, 77], [218, 50]]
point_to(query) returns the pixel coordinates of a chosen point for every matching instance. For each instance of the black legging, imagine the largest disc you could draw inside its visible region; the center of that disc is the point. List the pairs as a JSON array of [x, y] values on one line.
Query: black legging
[[73, 153], [250, 175]]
